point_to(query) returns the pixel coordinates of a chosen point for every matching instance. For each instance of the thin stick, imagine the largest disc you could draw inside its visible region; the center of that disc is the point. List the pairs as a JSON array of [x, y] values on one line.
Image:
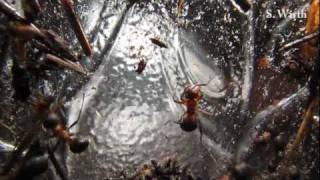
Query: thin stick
[[307, 119], [76, 25], [180, 7], [10, 12], [299, 41], [7, 127], [292, 148], [66, 63]]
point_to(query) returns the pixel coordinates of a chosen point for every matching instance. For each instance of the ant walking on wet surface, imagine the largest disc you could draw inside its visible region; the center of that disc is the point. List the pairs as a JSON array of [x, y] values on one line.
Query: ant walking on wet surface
[[190, 98], [51, 123]]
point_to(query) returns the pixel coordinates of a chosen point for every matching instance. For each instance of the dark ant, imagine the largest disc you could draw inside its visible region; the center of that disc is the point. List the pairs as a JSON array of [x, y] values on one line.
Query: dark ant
[[190, 97], [55, 121], [51, 114], [141, 66]]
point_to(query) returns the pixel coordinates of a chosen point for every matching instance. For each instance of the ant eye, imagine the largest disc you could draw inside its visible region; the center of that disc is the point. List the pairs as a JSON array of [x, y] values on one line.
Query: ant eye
[[35, 166], [78, 145], [51, 121]]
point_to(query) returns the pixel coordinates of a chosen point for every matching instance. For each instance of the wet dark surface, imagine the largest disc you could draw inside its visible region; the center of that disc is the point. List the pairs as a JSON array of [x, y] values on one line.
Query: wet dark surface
[[129, 117]]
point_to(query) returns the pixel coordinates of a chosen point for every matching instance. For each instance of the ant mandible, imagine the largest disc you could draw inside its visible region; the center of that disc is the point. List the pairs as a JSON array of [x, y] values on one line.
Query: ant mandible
[[190, 98]]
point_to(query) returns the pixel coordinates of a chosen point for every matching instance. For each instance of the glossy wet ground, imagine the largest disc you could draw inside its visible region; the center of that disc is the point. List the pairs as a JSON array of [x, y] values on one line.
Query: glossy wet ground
[[128, 117]]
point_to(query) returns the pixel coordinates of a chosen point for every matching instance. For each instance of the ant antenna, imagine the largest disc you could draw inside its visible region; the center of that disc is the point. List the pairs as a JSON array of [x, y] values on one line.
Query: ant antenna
[[73, 124], [79, 115], [8, 128], [204, 84], [200, 130]]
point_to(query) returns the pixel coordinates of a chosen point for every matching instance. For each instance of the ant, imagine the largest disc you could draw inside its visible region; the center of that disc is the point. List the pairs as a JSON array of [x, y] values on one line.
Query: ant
[[190, 98], [51, 121], [55, 121]]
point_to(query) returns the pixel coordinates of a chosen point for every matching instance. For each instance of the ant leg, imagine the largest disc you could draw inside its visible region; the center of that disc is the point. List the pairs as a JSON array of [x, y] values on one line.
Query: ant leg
[[56, 164], [178, 102], [55, 147], [200, 130], [25, 144], [74, 123], [176, 122], [205, 112], [204, 84]]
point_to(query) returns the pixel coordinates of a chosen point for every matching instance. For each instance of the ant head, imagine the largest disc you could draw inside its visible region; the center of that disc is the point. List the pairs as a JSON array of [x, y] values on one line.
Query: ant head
[[191, 91], [51, 121], [35, 166], [78, 145], [188, 126]]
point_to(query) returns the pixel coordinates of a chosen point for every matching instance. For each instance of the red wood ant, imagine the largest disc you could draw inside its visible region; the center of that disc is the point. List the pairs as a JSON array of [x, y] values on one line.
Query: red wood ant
[[50, 116], [55, 121], [190, 98]]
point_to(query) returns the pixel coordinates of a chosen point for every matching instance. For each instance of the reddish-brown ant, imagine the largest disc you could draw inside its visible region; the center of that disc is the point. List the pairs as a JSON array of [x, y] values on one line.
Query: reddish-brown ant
[[51, 117], [54, 120], [190, 98]]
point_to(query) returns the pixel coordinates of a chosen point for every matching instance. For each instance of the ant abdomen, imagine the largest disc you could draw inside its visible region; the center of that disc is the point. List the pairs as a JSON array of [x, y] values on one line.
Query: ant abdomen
[[78, 145], [189, 123]]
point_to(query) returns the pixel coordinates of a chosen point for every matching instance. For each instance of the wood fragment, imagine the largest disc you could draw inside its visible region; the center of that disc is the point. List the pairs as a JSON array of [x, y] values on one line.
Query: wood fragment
[[10, 12], [292, 149], [66, 63], [158, 42], [313, 17], [299, 41], [76, 25], [31, 9], [29, 31], [141, 66], [180, 7], [8, 128], [57, 44]]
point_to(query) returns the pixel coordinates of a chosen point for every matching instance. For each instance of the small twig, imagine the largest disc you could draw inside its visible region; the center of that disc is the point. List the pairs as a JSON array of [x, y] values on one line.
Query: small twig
[[66, 63], [10, 12], [158, 42], [74, 20], [28, 31], [299, 41], [180, 7], [307, 119], [7, 127]]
